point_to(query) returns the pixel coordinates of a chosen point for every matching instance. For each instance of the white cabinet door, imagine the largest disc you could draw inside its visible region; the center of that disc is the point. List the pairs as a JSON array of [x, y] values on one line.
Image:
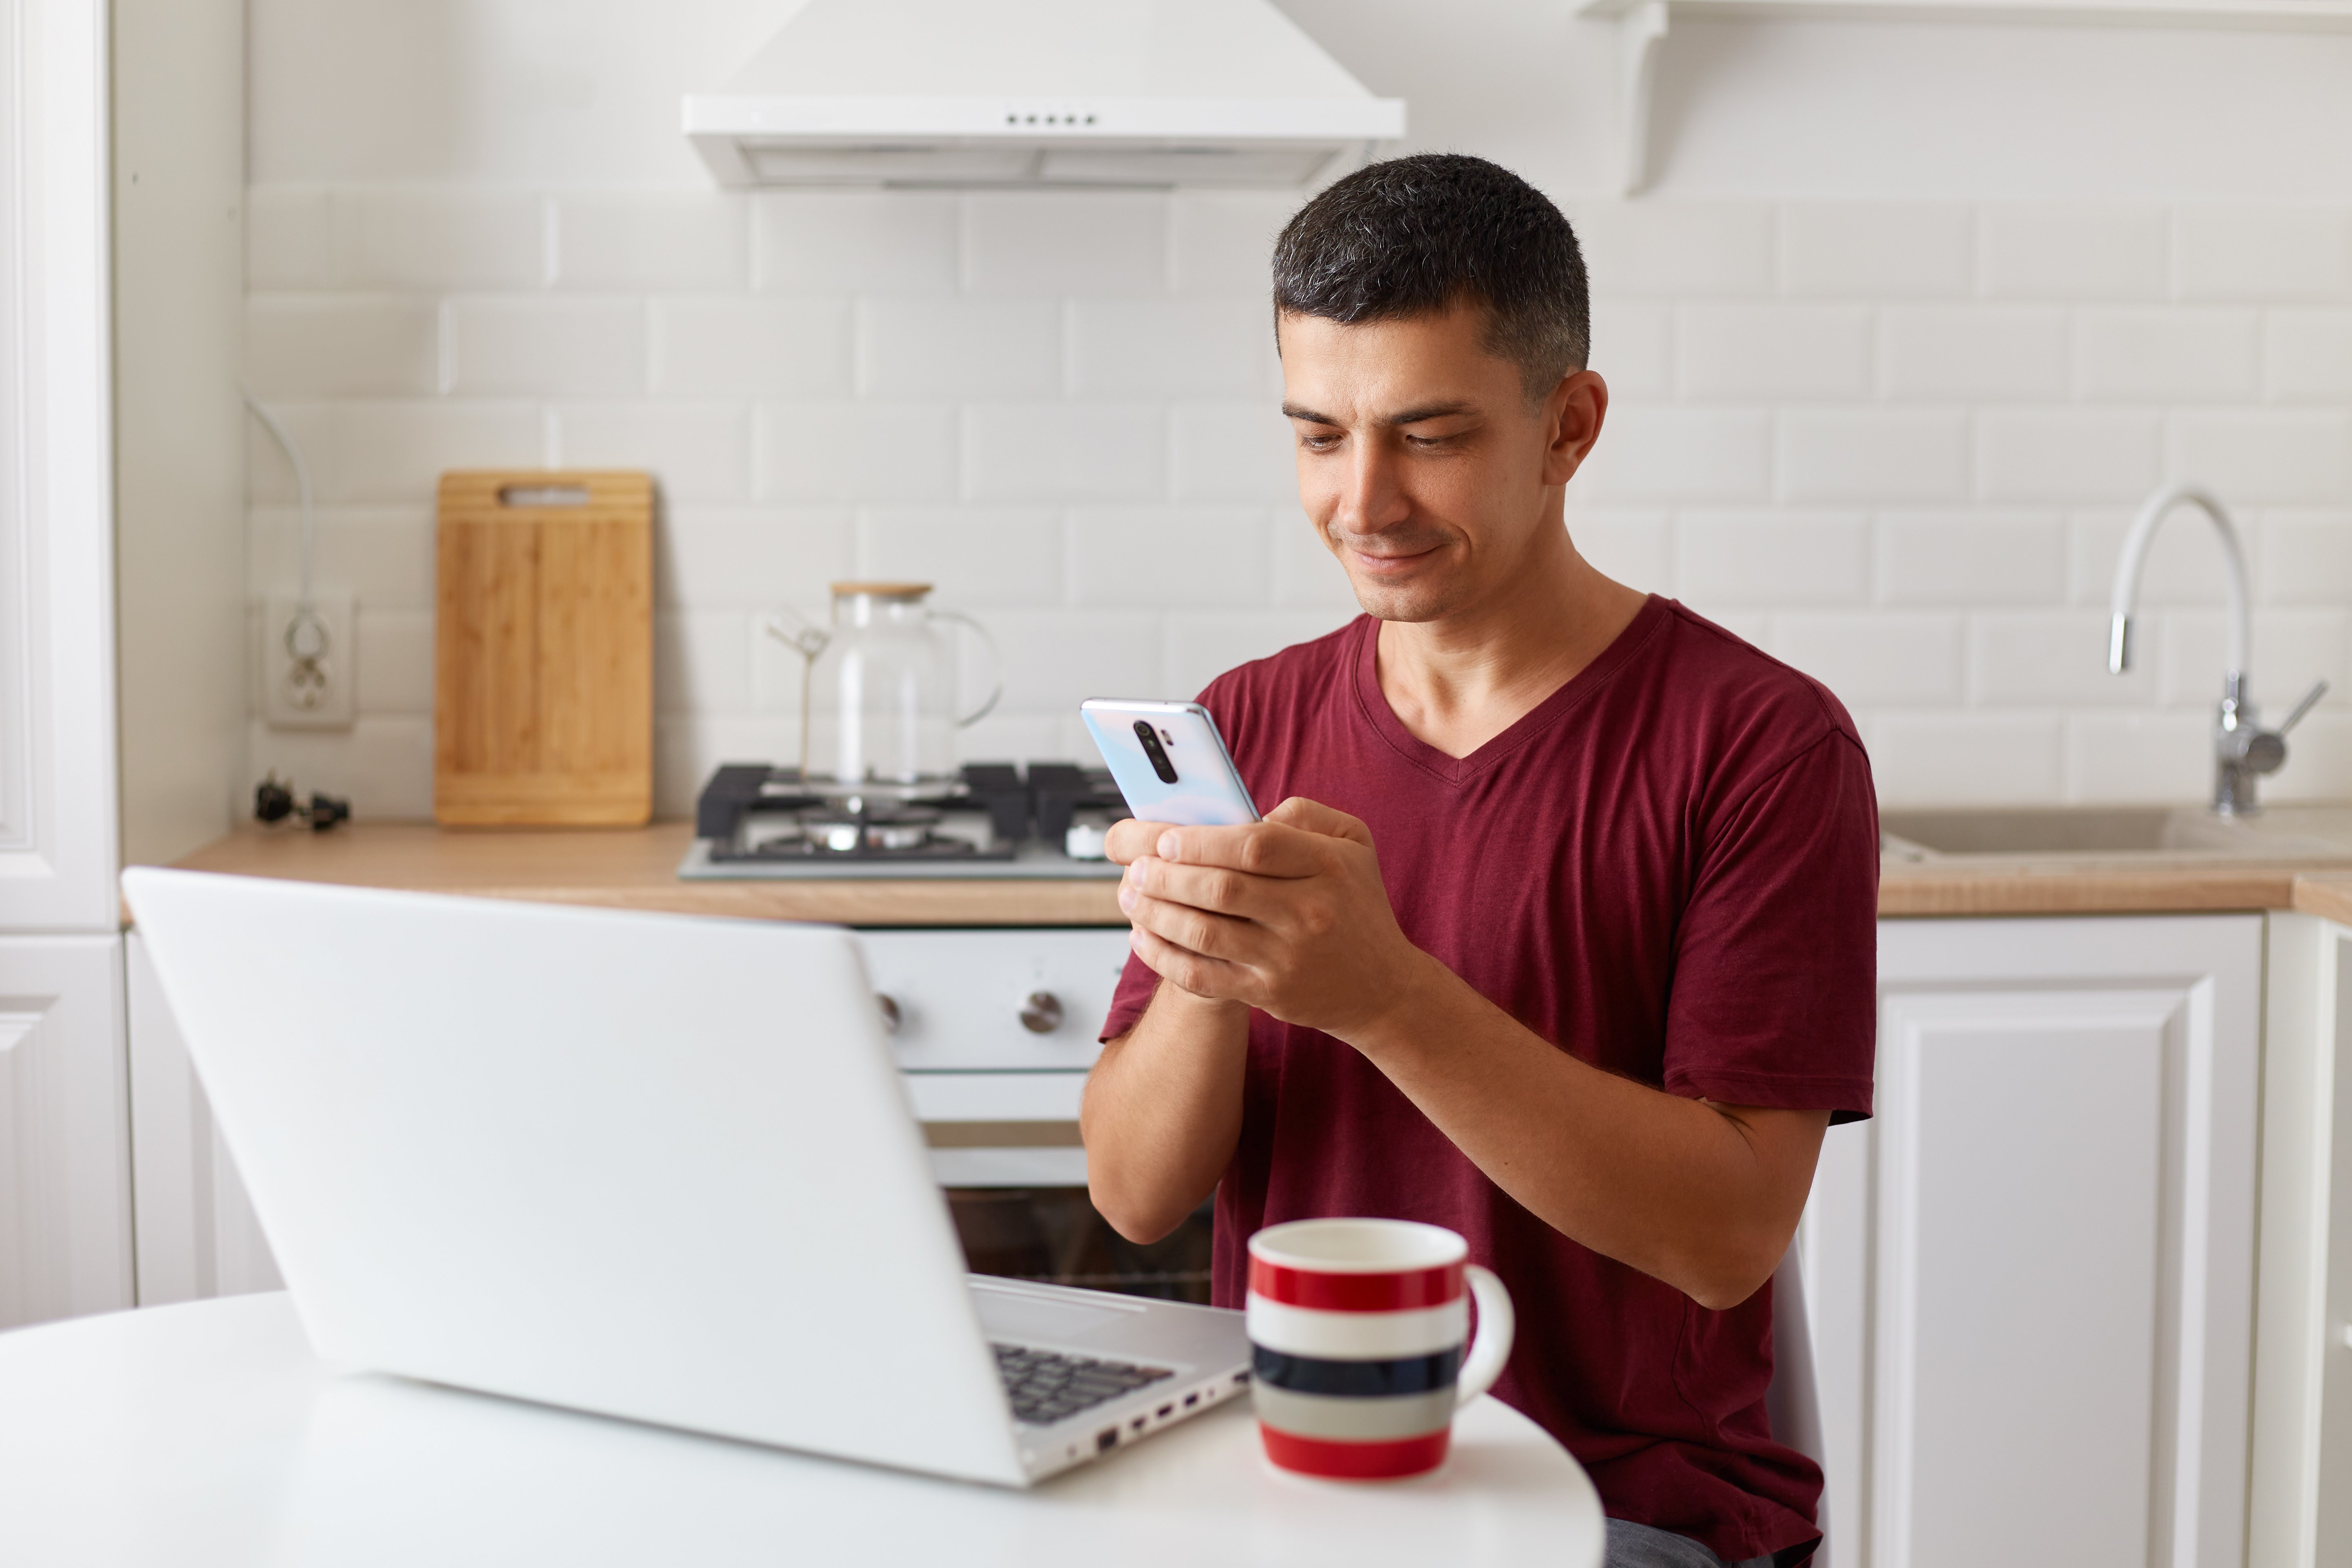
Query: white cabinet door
[[197, 1235], [65, 1168], [57, 581], [2034, 1267]]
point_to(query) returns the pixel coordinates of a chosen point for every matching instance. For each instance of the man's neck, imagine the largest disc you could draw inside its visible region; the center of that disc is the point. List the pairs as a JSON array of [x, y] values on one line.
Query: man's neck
[[1457, 682]]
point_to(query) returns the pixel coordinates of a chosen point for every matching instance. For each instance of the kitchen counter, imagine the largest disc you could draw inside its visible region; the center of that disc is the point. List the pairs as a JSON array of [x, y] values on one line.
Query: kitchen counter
[[633, 868], [636, 869]]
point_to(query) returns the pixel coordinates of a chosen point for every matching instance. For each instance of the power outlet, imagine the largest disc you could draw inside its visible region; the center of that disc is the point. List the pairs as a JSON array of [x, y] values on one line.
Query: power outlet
[[308, 660]]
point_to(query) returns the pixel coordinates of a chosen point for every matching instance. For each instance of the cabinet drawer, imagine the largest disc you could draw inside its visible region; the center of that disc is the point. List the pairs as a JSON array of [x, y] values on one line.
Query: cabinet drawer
[[995, 1000]]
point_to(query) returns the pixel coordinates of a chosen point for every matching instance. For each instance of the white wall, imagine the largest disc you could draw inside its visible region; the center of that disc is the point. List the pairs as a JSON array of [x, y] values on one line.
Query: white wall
[[1914, 316], [179, 458]]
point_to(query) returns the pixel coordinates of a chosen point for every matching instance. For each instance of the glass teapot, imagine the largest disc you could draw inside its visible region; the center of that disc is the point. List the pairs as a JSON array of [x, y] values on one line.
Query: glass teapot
[[877, 690]]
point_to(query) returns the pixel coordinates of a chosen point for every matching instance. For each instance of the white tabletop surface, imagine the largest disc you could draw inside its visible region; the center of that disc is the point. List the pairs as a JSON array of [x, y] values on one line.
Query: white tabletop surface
[[206, 1434]]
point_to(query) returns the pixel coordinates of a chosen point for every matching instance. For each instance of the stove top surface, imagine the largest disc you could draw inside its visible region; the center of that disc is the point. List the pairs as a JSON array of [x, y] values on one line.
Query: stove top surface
[[993, 820]]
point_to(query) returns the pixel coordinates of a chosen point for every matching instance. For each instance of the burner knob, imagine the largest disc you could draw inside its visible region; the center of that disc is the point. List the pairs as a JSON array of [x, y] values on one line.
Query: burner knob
[[890, 1006], [1042, 1013]]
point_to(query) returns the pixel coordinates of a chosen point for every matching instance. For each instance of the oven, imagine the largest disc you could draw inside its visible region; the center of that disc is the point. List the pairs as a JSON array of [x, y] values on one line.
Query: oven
[[994, 1030]]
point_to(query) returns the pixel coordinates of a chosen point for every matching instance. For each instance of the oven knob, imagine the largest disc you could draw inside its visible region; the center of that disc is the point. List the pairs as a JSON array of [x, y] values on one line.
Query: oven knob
[[889, 1006], [1042, 1013]]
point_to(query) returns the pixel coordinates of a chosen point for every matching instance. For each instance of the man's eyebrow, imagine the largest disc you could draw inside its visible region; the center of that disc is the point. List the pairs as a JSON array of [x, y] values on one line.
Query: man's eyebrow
[[1403, 417]]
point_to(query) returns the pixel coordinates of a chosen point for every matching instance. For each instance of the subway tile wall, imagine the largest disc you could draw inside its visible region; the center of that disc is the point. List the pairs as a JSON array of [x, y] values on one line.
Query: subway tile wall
[[1896, 444]]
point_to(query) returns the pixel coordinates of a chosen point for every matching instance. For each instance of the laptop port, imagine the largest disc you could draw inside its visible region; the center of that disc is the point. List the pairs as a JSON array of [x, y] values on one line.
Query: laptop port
[[1165, 1411], [1106, 1439], [1137, 1424], [1241, 1377], [1191, 1400]]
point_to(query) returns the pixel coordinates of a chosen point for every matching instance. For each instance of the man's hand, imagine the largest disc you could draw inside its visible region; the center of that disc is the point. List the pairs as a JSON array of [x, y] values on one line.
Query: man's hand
[[1287, 915]]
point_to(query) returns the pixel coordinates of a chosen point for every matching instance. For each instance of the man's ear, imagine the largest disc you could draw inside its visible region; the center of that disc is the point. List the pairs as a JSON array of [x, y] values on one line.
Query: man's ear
[[1572, 419]]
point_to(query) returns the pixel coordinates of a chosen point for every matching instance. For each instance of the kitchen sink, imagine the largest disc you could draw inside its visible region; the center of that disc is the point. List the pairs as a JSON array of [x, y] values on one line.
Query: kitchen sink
[[2116, 832]]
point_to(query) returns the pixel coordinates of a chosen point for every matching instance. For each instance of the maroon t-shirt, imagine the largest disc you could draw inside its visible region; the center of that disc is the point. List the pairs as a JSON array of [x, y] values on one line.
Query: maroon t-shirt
[[1669, 869]]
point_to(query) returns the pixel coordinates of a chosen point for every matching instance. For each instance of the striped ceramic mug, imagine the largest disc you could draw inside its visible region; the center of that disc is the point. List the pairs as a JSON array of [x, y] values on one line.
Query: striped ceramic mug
[[1356, 1331]]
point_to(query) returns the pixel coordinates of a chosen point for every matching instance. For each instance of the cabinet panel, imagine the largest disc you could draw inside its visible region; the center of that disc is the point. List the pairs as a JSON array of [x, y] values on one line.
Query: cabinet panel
[[57, 582], [196, 1232], [2033, 1272], [65, 1178]]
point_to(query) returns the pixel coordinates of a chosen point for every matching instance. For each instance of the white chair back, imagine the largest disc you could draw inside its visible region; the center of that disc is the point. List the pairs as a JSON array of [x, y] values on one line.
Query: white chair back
[[1793, 1402]]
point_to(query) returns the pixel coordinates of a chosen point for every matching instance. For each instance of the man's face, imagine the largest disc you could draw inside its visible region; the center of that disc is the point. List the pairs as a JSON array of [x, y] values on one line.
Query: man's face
[[1420, 460]]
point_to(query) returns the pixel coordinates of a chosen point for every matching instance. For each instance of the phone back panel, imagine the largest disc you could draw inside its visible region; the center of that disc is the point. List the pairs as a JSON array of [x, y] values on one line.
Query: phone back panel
[[1206, 792]]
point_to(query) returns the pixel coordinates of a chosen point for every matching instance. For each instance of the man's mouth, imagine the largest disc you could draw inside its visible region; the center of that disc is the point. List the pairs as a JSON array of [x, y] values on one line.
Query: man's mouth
[[1392, 557]]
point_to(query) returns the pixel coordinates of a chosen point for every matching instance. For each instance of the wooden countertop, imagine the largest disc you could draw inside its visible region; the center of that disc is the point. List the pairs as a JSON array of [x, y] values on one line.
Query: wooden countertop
[[633, 868], [636, 869]]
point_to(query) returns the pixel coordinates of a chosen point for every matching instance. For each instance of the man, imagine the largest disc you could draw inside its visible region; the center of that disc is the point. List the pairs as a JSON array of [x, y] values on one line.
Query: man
[[1562, 934]]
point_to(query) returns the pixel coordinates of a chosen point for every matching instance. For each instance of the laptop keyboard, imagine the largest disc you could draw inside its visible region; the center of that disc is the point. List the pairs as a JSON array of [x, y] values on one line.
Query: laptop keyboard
[[1047, 1387]]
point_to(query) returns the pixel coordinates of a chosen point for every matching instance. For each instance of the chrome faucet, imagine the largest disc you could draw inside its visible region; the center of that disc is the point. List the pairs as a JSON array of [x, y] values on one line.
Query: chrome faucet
[[2242, 750]]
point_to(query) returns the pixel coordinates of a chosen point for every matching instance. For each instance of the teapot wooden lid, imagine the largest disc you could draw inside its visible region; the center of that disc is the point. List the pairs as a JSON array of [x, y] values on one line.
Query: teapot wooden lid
[[882, 590]]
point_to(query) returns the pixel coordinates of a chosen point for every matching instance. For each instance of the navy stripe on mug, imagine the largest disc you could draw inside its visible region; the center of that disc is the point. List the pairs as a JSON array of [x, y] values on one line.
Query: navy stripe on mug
[[1356, 1379]]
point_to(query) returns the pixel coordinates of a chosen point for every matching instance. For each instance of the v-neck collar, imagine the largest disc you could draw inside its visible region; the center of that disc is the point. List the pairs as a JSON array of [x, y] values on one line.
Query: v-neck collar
[[1572, 693]]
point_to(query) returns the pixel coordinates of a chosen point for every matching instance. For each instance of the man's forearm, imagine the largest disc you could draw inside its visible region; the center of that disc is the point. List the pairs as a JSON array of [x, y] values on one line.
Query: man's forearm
[[1669, 1185], [1164, 1111]]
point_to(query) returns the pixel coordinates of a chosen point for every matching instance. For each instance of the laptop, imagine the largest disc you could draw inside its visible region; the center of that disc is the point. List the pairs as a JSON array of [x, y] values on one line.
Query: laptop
[[647, 1165]]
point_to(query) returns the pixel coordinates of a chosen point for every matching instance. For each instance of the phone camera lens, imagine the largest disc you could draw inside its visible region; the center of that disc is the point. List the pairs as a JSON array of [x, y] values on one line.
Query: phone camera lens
[[1153, 751]]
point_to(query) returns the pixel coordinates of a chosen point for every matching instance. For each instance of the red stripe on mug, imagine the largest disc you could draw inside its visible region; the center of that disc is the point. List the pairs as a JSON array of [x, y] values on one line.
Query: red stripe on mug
[[1402, 1291], [1356, 1461]]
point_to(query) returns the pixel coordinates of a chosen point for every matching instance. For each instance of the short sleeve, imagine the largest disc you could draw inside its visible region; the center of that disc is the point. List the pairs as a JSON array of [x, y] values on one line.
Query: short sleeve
[[1138, 984], [1775, 990]]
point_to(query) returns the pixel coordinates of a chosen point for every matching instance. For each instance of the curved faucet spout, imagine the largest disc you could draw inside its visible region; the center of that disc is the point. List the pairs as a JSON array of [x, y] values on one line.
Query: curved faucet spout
[[2134, 556]]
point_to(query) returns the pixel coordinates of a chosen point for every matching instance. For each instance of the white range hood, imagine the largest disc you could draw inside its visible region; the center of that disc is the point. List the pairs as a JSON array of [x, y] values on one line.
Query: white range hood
[[1038, 93]]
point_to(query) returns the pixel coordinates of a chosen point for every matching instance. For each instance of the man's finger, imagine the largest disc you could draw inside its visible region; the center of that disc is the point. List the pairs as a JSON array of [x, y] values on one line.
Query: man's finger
[[1128, 839], [1216, 889], [1197, 931], [1261, 848], [1213, 978], [1314, 816]]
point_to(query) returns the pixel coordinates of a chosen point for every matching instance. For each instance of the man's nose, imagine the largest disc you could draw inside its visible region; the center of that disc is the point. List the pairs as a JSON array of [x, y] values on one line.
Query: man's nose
[[1374, 495]]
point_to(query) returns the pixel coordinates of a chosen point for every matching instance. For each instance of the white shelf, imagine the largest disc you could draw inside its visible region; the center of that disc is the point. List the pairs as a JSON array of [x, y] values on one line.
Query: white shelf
[[1643, 25]]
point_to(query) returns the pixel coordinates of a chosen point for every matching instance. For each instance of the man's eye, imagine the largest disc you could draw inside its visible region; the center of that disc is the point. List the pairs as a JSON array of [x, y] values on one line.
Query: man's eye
[[1318, 443]]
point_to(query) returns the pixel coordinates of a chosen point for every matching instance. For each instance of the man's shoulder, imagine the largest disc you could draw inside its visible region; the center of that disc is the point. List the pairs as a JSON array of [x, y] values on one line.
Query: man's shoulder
[[1725, 670], [1280, 677]]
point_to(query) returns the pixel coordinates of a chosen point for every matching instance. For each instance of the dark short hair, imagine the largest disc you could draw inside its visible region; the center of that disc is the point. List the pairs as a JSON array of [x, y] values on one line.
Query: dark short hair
[[1415, 237]]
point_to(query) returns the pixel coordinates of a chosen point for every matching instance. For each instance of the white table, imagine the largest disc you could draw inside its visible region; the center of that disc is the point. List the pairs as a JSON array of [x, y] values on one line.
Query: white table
[[206, 1434]]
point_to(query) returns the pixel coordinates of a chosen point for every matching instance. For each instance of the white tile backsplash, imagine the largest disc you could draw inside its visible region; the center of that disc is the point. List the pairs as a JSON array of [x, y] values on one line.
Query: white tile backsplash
[[1975, 354], [1066, 242], [2267, 252], [1877, 250], [2307, 356], [898, 242], [927, 347], [1065, 451], [570, 347], [2067, 453], [651, 239], [2179, 355], [2295, 456], [2073, 251], [723, 346], [342, 345], [1231, 451], [1894, 442], [1873, 455], [1171, 558], [1795, 352]]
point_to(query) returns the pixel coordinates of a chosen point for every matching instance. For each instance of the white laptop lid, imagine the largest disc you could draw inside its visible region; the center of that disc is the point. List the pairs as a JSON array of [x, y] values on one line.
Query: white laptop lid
[[642, 1164]]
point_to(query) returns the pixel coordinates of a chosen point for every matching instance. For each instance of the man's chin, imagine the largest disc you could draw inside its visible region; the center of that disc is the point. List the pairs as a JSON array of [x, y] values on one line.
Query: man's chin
[[1405, 600]]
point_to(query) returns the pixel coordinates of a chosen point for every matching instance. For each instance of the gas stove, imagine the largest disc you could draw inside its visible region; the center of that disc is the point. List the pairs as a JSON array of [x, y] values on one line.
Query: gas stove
[[993, 820]]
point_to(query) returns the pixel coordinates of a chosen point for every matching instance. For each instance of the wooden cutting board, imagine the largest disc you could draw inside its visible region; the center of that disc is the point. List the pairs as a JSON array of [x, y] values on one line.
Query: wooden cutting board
[[543, 649]]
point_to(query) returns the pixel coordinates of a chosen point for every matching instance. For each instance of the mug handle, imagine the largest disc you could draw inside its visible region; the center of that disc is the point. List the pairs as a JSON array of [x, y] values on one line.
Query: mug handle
[[1491, 1346], [995, 664]]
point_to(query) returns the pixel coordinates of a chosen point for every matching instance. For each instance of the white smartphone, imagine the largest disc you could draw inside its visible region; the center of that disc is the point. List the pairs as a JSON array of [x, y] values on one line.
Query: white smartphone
[[1169, 761]]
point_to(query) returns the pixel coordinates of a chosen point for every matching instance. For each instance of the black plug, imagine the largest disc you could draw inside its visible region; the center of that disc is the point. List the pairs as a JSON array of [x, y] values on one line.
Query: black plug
[[274, 801]]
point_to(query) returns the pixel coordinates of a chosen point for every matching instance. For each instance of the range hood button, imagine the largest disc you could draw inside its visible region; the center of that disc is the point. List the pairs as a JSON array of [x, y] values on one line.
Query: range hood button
[[1042, 1013], [890, 1006]]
